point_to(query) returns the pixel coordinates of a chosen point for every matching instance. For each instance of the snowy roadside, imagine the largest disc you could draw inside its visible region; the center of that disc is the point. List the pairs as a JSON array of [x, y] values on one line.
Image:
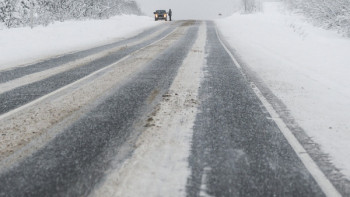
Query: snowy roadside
[[20, 46], [304, 66]]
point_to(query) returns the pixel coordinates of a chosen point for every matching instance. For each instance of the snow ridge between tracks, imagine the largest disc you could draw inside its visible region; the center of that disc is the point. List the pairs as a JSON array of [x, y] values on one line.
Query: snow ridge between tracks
[[163, 148]]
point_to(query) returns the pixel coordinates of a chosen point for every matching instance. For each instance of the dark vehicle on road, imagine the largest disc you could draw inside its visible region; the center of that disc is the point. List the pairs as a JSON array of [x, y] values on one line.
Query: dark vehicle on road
[[160, 15]]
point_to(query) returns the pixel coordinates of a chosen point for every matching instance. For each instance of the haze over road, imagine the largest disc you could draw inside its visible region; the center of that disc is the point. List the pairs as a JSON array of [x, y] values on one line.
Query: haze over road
[[165, 113], [193, 9]]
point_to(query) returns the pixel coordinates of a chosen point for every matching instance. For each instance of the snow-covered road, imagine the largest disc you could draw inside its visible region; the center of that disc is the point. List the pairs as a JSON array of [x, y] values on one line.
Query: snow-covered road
[[46, 119], [303, 70], [165, 113]]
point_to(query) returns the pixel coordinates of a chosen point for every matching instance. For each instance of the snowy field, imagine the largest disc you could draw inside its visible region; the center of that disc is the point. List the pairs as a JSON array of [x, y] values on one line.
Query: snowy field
[[19, 46], [306, 67]]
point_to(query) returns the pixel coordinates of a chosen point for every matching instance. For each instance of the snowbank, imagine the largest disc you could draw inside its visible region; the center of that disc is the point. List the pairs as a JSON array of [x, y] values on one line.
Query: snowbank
[[23, 45], [306, 67]]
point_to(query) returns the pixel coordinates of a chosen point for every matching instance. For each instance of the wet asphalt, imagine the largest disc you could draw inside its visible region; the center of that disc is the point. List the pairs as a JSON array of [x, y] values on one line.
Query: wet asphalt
[[21, 71], [237, 150], [76, 160], [17, 97]]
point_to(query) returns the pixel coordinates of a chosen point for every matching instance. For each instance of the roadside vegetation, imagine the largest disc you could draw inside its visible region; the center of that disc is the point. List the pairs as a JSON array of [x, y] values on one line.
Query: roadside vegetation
[[19, 13], [329, 14]]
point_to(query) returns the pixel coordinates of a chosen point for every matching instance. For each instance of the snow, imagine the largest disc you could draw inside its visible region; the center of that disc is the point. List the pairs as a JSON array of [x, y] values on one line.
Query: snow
[[31, 78], [20, 46], [162, 150], [28, 128], [304, 66]]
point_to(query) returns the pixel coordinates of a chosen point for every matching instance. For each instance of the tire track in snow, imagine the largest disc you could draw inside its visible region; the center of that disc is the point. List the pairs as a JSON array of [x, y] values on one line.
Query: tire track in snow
[[20, 129], [324, 183], [20, 71], [235, 137], [76, 160], [158, 166], [37, 76], [28, 93]]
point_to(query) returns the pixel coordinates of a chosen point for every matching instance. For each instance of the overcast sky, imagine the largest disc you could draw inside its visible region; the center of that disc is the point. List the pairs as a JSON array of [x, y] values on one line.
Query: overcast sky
[[189, 9]]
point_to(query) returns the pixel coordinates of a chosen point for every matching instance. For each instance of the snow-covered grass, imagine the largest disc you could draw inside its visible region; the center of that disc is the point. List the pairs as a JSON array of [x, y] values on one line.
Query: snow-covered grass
[[23, 45], [306, 67]]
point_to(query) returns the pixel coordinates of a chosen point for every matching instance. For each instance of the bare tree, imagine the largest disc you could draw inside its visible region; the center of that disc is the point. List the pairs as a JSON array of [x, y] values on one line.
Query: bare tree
[[250, 6], [332, 14], [15, 13]]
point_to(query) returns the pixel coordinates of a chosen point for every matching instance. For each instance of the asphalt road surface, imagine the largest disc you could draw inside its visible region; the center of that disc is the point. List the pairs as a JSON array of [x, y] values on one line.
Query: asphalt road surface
[[236, 147]]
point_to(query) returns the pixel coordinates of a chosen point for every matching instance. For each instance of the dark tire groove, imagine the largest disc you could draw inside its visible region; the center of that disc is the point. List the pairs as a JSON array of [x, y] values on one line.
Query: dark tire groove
[[75, 161], [18, 72], [236, 145], [22, 95]]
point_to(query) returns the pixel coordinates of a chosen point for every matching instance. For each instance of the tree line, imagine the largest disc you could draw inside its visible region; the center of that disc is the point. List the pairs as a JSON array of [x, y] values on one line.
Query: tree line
[[331, 14], [250, 6], [16, 13]]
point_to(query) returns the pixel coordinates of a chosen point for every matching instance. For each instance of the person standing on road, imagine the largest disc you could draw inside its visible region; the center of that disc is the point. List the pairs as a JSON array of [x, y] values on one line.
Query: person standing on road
[[170, 13]]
